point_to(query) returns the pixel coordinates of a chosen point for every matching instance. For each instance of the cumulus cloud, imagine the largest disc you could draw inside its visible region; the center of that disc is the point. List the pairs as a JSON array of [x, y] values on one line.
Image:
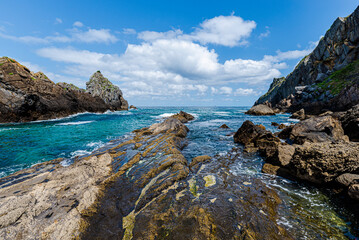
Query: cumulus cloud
[[227, 31], [264, 34], [173, 63]]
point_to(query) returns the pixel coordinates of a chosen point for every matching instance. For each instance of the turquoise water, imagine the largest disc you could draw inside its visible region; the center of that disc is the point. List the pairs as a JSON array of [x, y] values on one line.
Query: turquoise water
[[23, 145]]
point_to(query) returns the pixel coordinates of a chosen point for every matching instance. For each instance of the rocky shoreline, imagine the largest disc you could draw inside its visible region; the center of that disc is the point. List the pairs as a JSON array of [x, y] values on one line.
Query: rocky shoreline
[[27, 96], [315, 150], [142, 188]]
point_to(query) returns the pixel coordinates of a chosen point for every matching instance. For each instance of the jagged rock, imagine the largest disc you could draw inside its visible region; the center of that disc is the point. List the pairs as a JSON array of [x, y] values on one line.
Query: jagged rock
[[260, 110], [197, 162], [25, 96], [224, 126], [133, 107], [317, 129], [183, 117], [99, 86], [332, 64]]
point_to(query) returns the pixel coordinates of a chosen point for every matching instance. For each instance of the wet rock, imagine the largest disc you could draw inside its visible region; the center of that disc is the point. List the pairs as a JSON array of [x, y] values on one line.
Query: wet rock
[[133, 107], [198, 161], [282, 126], [260, 110], [274, 124], [347, 179], [224, 126], [183, 117]]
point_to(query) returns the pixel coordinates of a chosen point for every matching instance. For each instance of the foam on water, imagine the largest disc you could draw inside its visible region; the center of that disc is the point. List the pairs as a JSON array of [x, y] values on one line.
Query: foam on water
[[74, 123]]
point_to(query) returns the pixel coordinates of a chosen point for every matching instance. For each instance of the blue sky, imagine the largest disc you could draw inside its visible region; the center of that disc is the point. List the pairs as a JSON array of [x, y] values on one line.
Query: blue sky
[[190, 53]]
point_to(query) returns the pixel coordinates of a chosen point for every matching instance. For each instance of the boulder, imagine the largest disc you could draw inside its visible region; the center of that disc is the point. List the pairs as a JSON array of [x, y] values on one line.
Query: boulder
[[317, 129], [324, 162], [133, 107], [260, 110], [248, 132]]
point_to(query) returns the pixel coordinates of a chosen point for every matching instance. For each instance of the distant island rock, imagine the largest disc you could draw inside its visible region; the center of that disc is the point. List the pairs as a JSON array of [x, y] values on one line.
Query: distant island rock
[[99, 86], [27, 96], [327, 78]]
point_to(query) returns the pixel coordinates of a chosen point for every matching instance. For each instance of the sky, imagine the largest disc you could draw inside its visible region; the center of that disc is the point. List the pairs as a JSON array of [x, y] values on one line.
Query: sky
[[168, 53]]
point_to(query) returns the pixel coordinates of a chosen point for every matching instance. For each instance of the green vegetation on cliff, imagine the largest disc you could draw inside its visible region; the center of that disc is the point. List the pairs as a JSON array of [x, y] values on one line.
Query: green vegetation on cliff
[[340, 79]]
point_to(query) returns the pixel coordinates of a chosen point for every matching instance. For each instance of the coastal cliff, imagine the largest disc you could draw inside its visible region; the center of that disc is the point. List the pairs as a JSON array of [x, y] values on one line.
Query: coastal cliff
[[27, 96], [328, 78]]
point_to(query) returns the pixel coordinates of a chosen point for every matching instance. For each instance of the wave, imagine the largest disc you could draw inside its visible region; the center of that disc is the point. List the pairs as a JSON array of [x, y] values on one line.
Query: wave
[[164, 115], [74, 123], [222, 113]]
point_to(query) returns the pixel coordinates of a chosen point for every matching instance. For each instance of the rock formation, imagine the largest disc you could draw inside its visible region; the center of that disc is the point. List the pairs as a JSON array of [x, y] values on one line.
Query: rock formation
[[27, 96], [99, 86], [260, 110], [316, 150], [140, 188], [325, 79]]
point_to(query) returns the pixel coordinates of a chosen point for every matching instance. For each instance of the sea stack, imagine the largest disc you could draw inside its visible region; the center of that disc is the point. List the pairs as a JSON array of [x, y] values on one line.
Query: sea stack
[[99, 86]]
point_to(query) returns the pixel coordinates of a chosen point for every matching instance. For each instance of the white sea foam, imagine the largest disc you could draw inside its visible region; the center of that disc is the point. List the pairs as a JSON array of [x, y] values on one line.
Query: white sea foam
[[80, 153], [74, 123], [164, 115], [66, 162], [293, 120]]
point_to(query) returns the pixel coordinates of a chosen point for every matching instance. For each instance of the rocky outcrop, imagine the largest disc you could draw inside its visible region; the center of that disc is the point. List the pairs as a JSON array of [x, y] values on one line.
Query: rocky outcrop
[[316, 151], [133, 107], [260, 110], [99, 86], [140, 188], [27, 96], [325, 79]]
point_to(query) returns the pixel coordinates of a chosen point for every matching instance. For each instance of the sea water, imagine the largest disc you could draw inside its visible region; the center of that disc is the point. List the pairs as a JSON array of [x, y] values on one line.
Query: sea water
[[305, 210]]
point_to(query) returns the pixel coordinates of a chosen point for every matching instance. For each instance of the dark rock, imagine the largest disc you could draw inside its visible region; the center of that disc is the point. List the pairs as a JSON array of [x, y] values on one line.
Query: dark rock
[[198, 161], [274, 124], [353, 191], [25, 96], [133, 107], [224, 126], [247, 133], [350, 123], [282, 126], [260, 110]]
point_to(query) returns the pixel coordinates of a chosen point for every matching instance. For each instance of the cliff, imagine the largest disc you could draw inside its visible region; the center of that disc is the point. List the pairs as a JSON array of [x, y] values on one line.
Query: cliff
[[27, 96], [327, 77]]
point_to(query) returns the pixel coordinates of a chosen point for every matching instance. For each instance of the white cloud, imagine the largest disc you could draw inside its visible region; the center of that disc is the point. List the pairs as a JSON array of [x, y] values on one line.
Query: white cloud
[[264, 34], [58, 21], [93, 35], [245, 92], [226, 90], [228, 31], [224, 30], [78, 24]]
